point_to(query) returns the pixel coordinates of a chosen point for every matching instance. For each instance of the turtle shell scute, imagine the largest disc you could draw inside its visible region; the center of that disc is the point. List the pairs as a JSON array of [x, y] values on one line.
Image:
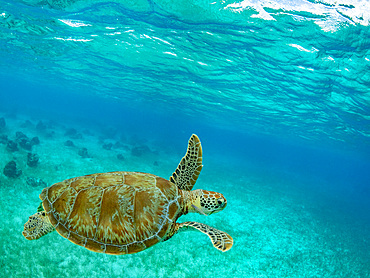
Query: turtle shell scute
[[113, 213]]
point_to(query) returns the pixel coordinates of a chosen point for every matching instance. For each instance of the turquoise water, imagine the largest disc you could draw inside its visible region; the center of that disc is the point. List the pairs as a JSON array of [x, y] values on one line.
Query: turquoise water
[[277, 91]]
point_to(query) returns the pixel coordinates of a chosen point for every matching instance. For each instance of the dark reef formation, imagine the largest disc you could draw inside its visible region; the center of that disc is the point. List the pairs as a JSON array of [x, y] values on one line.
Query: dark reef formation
[[118, 145], [4, 139], [140, 150], [120, 156], [69, 143], [23, 141], [11, 146], [72, 133], [11, 170], [35, 141], [32, 159], [107, 146], [83, 153], [36, 182], [41, 126], [27, 124]]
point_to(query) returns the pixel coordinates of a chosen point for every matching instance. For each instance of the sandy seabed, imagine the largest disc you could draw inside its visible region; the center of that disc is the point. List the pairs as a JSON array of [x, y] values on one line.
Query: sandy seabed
[[279, 229]]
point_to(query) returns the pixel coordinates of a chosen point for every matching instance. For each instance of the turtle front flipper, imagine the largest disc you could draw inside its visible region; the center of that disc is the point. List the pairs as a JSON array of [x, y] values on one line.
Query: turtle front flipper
[[220, 240], [37, 226], [189, 168]]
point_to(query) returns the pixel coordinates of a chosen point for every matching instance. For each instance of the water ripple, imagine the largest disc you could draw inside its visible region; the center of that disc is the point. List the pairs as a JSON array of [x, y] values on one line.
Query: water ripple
[[228, 66]]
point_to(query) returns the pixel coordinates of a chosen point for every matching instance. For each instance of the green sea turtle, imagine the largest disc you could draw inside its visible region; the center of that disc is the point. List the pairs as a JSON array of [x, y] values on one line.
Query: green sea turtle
[[127, 212]]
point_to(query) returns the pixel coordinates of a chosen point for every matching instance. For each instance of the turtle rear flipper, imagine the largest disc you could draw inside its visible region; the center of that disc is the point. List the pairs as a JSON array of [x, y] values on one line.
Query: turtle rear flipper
[[37, 226], [220, 240]]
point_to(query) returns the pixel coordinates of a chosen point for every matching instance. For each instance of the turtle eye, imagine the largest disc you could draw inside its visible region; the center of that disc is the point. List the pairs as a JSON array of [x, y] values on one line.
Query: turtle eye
[[221, 202]]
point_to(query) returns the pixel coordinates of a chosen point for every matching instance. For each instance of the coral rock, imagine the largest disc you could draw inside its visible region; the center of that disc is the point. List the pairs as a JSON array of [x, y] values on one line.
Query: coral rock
[[23, 141], [118, 145], [69, 143], [140, 150], [27, 124], [26, 144], [36, 182], [11, 146], [40, 126], [35, 141], [3, 139], [120, 156], [108, 146], [20, 135], [11, 170], [32, 159], [83, 153], [72, 133]]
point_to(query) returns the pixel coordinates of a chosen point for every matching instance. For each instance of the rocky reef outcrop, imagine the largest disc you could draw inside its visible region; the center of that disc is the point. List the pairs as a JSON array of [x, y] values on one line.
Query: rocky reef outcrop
[[11, 170], [32, 159]]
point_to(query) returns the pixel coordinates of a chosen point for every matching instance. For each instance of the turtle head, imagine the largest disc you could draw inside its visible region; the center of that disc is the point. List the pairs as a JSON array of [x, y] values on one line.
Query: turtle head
[[37, 226], [207, 202]]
